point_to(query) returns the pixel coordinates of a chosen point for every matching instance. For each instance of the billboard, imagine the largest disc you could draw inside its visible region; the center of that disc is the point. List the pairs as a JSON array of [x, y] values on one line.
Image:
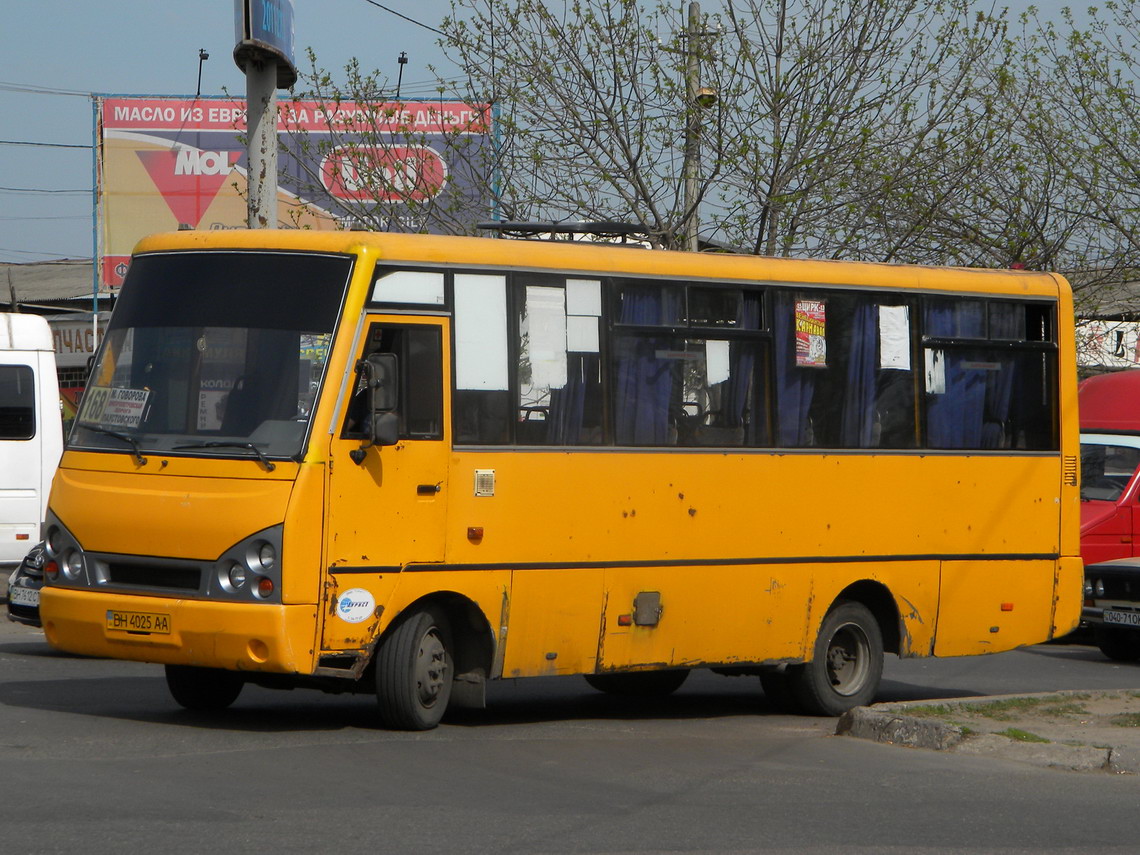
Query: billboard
[[170, 162]]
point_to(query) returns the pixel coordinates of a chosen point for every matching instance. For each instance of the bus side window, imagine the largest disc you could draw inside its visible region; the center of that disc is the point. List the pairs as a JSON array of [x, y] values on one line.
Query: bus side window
[[420, 361]]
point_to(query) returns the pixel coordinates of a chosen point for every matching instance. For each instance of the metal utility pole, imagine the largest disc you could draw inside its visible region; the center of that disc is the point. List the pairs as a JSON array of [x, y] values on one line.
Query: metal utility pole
[[264, 52], [261, 102], [692, 127]]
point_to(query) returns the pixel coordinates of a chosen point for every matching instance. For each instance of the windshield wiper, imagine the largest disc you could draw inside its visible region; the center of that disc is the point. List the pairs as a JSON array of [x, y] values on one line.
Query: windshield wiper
[[265, 461], [136, 449]]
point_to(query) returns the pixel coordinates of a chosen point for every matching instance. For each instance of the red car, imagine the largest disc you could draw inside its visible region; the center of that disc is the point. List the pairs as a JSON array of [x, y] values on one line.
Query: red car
[[1110, 457]]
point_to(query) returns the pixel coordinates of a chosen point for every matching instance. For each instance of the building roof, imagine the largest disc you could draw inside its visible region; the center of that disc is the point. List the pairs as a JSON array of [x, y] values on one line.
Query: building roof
[[55, 285]]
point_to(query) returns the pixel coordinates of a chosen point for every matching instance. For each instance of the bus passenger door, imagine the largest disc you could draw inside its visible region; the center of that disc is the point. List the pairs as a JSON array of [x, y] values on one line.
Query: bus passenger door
[[387, 510]]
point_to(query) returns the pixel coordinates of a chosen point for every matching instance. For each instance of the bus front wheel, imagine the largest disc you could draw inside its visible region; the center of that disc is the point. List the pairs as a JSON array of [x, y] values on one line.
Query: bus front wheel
[[203, 689], [414, 671], [846, 665]]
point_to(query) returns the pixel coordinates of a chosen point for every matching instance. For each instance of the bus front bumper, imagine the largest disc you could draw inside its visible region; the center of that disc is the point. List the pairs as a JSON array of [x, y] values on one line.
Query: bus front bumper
[[234, 636]]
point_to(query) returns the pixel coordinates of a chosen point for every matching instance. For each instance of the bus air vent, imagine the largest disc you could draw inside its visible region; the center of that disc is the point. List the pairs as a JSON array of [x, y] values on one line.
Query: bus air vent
[[1069, 470]]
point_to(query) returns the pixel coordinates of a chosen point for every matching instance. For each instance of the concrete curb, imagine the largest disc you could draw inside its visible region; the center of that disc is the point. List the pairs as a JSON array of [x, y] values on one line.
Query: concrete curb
[[890, 724]]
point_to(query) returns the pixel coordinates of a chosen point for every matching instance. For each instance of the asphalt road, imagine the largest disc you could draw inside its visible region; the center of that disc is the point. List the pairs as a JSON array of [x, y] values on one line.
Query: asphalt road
[[94, 757]]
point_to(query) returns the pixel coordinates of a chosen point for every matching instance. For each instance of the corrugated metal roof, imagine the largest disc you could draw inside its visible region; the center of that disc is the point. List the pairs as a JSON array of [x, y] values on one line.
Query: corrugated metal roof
[[46, 282]]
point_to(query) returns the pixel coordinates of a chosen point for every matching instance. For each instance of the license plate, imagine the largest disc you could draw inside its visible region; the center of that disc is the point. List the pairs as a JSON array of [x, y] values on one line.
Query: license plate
[[24, 597], [1126, 618], [138, 622]]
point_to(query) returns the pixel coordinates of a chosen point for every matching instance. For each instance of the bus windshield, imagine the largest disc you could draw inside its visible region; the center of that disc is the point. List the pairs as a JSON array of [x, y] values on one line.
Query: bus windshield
[[213, 353]]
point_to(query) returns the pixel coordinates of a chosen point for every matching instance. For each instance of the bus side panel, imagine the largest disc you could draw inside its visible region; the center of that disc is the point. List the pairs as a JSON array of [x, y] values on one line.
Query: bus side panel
[[688, 616], [764, 613], [988, 606], [555, 616]]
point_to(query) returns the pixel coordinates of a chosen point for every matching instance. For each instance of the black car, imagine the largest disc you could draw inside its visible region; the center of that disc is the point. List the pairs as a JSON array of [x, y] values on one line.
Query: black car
[[24, 587], [1112, 607]]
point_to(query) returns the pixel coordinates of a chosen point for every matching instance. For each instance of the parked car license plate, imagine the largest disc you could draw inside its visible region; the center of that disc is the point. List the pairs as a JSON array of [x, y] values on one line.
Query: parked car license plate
[[1127, 618], [138, 622], [24, 597]]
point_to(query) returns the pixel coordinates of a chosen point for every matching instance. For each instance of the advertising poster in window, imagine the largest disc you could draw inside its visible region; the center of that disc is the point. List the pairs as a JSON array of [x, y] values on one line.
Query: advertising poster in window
[[170, 162], [811, 333]]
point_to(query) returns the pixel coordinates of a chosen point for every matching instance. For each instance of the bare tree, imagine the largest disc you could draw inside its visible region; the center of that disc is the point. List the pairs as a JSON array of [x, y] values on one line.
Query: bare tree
[[591, 107], [843, 115], [1086, 76]]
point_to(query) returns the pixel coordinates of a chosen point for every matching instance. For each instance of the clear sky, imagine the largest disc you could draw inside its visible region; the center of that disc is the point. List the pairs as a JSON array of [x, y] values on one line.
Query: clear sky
[[54, 54]]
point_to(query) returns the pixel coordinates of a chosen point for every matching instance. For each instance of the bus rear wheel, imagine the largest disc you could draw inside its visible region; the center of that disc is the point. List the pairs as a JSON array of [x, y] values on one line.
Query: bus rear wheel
[[644, 684], [203, 689], [846, 665], [414, 670]]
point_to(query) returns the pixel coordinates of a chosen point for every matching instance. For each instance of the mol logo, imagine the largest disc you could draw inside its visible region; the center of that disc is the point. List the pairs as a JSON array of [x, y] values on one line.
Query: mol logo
[[192, 161], [384, 174], [188, 179]]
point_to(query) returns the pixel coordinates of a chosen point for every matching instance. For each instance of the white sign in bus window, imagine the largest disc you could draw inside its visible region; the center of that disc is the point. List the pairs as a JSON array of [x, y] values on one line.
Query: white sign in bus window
[[481, 332], [935, 372], [582, 334], [894, 337], [546, 336], [584, 297], [409, 286], [717, 368]]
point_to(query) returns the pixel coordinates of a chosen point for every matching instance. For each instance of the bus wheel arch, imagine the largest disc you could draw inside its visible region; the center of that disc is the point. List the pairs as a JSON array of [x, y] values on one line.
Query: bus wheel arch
[[846, 665], [879, 601], [452, 629]]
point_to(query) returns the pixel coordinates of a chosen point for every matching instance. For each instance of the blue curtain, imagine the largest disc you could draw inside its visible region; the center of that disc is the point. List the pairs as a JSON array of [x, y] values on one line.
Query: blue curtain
[[954, 418], [858, 419], [567, 415], [794, 386], [743, 363], [1007, 321], [644, 383]]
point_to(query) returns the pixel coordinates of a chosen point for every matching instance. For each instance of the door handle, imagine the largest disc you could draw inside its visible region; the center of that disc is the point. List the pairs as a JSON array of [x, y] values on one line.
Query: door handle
[[428, 489]]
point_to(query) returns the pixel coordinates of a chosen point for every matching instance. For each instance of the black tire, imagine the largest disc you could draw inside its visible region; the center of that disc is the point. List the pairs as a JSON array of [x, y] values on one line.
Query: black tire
[[643, 684], [414, 670], [778, 691], [1119, 645], [846, 664], [203, 689]]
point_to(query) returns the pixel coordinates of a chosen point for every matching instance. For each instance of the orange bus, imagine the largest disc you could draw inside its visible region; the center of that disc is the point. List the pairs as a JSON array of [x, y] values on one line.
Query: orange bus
[[410, 464]]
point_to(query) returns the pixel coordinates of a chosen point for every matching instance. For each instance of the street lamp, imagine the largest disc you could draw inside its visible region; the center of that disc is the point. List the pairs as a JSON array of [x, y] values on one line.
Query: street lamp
[[202, 57], [699, 98], [402, 60]]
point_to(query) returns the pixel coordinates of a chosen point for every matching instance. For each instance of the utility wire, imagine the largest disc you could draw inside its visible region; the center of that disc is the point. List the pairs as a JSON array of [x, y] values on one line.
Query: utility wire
[[38, 190], [44, 144], [42, 90], [406, 18]]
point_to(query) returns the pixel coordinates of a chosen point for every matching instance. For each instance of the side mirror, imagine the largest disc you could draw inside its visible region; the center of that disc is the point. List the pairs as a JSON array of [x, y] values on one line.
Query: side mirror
[[383, 382], [381, 379]]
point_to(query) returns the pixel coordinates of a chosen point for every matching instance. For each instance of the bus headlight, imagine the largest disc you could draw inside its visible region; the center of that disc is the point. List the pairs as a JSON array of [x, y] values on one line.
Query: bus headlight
[[73, 565], [236, 577], [266, 556], [1098, 588]]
